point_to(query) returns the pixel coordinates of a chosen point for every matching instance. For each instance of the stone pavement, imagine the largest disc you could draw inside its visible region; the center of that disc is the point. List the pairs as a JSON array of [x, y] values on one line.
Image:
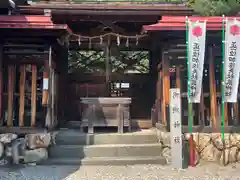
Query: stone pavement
[[207, 171]]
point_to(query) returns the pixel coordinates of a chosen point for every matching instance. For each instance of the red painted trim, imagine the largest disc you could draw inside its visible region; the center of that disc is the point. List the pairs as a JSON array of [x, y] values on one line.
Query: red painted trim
[[31, 22], [178, 23], [217, 19], [177, 27], [26, 19]]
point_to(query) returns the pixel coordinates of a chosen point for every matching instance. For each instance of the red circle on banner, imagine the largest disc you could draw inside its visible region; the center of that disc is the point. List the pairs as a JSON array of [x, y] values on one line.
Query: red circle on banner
[[235, 30], [197, 31]]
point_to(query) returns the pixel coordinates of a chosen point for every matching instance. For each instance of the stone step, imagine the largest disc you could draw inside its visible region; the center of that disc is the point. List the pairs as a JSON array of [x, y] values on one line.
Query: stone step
[[77, 138], [107, 150], [106, 161]]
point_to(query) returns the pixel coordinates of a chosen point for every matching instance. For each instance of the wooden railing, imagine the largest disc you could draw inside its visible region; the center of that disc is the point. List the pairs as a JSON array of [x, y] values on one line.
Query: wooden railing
[[207, 114], [18, 92]]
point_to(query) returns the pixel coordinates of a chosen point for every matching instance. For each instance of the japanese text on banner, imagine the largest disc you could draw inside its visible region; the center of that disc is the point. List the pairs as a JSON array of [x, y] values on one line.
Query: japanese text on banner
[[196, 47], [232, 58]]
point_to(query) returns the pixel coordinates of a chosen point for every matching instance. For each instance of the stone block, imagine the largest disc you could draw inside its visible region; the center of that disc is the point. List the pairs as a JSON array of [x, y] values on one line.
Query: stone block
[[1, 150], [7, 137], [210, 153], [5, 161], [36, 155], [210, 146], [164, 138], [39, 140], [18, 148]]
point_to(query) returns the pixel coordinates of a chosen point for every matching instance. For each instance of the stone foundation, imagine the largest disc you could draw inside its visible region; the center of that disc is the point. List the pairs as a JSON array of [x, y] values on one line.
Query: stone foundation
[[33, 148], [30, 149], [209, 147]]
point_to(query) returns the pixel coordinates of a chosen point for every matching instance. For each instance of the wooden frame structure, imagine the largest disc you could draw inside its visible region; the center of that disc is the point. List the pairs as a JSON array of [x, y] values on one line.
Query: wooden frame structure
[[28, 63], [31, 31], [174, 54]]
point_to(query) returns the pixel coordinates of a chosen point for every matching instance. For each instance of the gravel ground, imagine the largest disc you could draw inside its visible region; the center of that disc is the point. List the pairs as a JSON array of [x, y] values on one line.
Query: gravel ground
[[137, 172]]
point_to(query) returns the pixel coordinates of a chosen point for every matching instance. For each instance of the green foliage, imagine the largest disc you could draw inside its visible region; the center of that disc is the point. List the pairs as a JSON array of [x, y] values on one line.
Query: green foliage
[[215, 7], [94, 61]]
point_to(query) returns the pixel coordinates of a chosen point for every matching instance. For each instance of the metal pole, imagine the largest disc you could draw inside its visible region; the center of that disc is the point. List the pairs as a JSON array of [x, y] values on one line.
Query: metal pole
[[191, 151]]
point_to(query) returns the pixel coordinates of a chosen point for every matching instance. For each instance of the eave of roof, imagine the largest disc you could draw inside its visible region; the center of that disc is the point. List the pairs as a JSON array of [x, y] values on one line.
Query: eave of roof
[[30, 22], [111, 6], [108, 9], [171, 23]]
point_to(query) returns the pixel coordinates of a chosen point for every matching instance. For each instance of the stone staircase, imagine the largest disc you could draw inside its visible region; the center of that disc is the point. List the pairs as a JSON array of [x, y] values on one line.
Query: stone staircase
[[75, 148]]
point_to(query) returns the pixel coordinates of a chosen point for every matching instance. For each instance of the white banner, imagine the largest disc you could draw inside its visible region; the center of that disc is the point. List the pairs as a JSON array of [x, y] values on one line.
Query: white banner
[[232, 59], [196, 54]]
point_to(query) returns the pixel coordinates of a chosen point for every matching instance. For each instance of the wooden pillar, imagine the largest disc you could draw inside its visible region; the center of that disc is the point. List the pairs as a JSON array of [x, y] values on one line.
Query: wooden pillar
[[178, 77], [108, 66], [62, 84], [11, 77], [53, 97], [48, 122], [166, 87], [236, 114], [226, 114], [160, 97], [154, 60], [213, 93], [22, 94], [45, 83], [1, 83], [202, 109], [34, 95]]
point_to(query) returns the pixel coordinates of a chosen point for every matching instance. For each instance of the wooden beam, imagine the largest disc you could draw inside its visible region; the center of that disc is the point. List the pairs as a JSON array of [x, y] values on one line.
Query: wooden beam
[[34, 95], [213, 93], [22, 94], [11, 77]]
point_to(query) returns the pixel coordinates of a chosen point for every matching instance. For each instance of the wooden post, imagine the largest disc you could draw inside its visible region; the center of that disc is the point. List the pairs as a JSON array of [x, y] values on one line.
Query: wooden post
[[1, 83], [48, 122], [166, 87], [22, 94], [108, 65], [202, 109], [178, 78], [236, 114], [120, 118], [53, 97], [213, 94], [226, 114], [45, 83], [34, 95], [91, 119], [11, 77]]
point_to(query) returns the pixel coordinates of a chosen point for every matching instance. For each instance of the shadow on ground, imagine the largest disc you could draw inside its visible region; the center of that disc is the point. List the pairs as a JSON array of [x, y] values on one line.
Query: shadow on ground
[[38, 172]]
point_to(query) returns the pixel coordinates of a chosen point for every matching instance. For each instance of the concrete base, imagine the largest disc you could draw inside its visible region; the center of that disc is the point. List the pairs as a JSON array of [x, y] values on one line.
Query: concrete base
[[109, 150], [74, 137], [106, 161], [74, 148]]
